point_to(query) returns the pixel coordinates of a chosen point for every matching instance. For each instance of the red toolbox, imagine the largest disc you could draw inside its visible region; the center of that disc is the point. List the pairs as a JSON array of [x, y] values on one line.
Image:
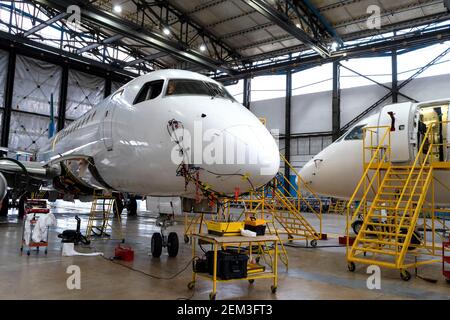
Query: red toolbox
[[124, 253], [446, 260], [343, 240]]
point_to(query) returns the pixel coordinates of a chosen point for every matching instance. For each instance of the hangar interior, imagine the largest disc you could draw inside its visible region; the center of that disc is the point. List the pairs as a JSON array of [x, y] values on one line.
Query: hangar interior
[[311, 69]]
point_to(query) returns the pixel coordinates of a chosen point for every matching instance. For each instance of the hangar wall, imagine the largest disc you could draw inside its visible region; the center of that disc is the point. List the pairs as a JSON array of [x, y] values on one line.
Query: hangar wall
[[311, 113], [34, 83]]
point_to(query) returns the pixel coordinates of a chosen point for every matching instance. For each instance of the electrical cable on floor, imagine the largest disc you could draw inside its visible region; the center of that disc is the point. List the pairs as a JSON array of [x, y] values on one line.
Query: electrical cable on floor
[[111, 259]]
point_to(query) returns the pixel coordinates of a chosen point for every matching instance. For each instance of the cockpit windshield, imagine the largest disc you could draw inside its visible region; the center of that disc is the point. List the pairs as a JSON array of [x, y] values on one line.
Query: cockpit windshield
[[198, 88], [357, 133]]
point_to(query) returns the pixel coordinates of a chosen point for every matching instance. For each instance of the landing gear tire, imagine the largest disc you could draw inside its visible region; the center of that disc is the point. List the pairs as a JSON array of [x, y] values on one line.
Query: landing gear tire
[[186, 238], [212, 296], [132, 207], [118, 208], [405, 275], [351, 266], [157, 244], [172, 244], [356, 226], [313, 243], [5, 205]]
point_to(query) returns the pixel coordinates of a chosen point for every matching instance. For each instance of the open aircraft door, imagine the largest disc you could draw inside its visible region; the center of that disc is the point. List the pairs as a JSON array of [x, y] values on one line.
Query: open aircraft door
[[107, 125], [401, 118]]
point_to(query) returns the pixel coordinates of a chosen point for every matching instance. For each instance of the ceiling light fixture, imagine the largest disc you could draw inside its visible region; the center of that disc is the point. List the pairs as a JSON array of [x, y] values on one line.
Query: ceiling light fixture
[[117, 8], [202, 47], [166, 31]]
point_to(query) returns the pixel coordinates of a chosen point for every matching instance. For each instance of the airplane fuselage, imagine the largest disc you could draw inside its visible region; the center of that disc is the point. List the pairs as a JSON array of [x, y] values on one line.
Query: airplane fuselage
[[131, 144]]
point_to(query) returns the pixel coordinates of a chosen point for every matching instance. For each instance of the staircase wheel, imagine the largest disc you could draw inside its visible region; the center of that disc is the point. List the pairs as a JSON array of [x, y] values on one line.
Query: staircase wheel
[[405, 275], [186, 238], [351, 266], [313, 243], [156, 245]]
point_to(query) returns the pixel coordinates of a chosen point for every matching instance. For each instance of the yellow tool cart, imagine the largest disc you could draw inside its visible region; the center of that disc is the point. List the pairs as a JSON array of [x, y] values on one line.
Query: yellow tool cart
[[209, 269]]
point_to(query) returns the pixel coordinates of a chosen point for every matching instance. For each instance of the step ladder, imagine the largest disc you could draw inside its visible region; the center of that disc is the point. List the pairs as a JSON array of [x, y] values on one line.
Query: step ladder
[[100, 219], [339, 207], [388, 230], [393, 198], [285, 202]]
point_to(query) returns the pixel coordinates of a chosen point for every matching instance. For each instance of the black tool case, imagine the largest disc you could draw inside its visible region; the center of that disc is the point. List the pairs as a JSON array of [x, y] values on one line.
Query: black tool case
[[230, 264]]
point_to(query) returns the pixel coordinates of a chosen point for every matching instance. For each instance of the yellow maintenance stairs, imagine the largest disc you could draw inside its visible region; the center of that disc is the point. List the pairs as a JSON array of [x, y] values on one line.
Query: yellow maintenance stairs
[[400, 196], [338, 207], [100, 218]]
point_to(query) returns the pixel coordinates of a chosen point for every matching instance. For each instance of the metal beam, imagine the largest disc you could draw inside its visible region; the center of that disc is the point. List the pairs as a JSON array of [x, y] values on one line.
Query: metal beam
[[380, 84], [395, 91], [146, 58], [387, 96], [336, 103], [326, 24], [247, 92], [108, 86], [63, 97], [45, 24], [129, 29], [9, 89], [282, 20], [42, 51], [287, 126], [409, 41], [101, 43]]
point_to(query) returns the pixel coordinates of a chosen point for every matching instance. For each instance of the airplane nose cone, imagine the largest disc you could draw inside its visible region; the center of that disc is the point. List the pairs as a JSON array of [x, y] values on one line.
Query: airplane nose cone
[[251, 158], [308, 173]]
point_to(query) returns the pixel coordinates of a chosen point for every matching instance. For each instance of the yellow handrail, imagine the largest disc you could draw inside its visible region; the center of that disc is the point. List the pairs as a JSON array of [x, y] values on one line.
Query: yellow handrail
[[367, 170], [408, 180], [300, 195]]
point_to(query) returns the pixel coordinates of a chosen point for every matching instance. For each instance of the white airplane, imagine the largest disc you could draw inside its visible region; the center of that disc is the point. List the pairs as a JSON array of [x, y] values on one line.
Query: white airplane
[[144, 140], [337, 170]]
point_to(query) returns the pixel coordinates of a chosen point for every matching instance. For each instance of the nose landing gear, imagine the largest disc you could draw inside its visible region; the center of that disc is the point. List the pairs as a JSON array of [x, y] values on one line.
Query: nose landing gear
[[160, 239]]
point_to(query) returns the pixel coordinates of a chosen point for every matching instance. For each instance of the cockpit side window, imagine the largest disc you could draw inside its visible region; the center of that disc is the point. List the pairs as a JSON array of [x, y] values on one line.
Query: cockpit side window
[[357, 133], [149, 91]]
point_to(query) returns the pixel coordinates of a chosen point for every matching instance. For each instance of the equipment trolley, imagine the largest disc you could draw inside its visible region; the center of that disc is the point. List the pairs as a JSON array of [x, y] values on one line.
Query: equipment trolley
[[263, 251], [34, 208]]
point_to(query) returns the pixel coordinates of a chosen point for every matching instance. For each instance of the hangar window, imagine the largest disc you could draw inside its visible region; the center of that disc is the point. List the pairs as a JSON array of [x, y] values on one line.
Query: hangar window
[[149, 91], [357, 133]]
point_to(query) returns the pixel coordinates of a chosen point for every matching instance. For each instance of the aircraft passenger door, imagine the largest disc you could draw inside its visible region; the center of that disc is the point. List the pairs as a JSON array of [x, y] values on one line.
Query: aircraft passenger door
[[108, 119], [401, 119]]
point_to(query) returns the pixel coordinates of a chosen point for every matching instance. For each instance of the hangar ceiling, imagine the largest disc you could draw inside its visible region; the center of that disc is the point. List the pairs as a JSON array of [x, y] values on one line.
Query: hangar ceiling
[[231, 39]]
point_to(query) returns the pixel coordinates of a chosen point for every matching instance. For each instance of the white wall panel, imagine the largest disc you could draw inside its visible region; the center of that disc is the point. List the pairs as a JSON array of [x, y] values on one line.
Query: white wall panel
[[34, 82], [430, 88], [84, 92], [273, 110], [27, 132], [356, 100], [311, 113]]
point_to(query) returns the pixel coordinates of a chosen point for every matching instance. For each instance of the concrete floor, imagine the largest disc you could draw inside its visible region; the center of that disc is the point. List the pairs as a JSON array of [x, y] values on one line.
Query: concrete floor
[[319, 273]]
